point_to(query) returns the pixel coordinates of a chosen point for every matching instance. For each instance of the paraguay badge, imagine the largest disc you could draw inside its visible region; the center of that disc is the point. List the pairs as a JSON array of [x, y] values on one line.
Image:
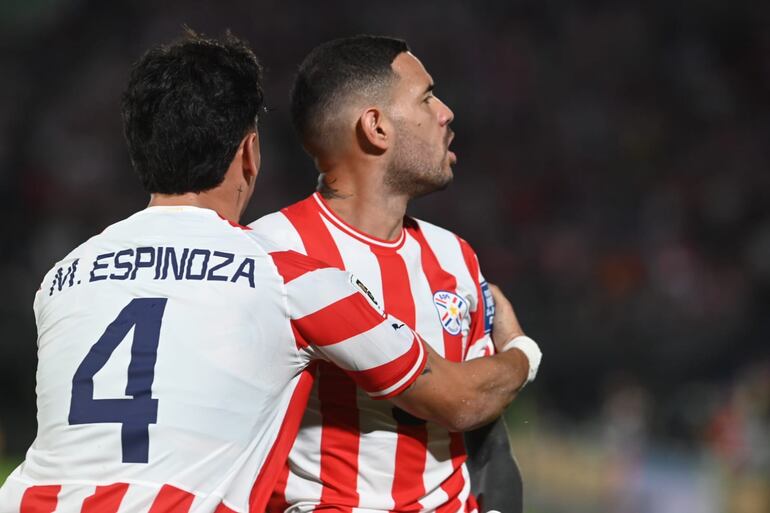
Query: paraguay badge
[[451, 310]]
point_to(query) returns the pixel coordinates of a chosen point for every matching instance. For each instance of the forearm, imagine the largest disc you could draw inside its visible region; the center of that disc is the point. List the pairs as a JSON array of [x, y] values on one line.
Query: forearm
[[487, 386], [463, 396], [491, 383]]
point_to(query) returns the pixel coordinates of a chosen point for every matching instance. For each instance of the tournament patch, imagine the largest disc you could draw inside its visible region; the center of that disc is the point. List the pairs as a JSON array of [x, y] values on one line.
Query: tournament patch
[[489, 307], [358, 284], [451, 310]]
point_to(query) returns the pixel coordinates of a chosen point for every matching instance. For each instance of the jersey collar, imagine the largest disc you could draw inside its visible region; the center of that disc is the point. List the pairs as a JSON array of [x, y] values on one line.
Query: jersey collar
[[333, 218], [193, 208]]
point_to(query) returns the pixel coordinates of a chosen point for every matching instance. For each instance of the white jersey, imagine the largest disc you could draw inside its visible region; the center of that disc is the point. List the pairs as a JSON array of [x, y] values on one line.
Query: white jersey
[[355, 454], [173, 366]]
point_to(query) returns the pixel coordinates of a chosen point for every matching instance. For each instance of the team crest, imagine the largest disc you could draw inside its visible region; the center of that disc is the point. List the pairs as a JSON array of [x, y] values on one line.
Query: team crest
[[451, 310]]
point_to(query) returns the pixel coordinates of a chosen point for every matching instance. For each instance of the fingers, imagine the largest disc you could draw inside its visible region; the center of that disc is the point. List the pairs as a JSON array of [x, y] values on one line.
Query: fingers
[[505, 326]]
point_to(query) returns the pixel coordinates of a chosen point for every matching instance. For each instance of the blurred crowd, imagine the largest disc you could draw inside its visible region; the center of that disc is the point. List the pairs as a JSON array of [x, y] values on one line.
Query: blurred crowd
[[613, 177], [617, 462]]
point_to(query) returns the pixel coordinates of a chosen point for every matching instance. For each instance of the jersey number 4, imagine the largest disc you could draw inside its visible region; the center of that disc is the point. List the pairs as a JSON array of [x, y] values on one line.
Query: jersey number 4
[[135, 414]]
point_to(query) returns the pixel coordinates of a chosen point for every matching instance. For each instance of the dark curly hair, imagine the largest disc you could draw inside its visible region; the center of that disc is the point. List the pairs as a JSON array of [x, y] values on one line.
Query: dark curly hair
[[186, 109]]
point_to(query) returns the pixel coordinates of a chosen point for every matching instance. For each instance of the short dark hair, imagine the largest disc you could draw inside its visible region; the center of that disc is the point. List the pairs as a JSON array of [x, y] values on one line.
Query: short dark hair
[[186, 109], [336, 69]]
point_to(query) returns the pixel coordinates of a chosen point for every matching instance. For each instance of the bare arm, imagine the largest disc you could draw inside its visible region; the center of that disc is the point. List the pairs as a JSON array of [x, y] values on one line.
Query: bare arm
[[463, 396]]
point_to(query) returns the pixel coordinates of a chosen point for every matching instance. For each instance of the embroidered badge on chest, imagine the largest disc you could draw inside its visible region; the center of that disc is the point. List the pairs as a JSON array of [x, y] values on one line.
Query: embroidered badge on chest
[[451, 310]]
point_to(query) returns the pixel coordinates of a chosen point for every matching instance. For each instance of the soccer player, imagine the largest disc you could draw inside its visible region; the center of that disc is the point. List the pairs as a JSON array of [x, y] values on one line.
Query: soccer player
[[366, 112], [174, 347]]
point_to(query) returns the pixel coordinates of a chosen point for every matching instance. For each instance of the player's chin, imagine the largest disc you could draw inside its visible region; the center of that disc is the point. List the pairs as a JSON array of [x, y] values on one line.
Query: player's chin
[[448, 168], [445, 179], [437, 182]]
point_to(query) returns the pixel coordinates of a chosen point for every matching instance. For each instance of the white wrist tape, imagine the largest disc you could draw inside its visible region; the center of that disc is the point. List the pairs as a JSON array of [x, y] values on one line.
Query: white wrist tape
[[530, 349]]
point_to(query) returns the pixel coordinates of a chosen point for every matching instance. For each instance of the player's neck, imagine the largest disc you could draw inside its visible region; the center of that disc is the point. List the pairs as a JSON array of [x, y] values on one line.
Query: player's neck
[[200, 200], [228, 199], [367, 208]]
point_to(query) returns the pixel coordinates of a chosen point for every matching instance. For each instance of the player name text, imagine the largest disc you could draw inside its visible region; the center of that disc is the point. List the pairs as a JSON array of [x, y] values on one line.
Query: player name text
[[160, 263]]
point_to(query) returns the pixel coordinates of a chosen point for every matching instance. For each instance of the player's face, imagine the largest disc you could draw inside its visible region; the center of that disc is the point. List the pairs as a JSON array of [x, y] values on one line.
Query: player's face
[[421, 161]]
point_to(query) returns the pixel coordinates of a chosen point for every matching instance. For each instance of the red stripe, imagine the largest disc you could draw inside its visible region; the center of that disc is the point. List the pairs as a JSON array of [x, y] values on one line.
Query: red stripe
[[336, 391], [453, 486], [291, 265], [306, 219], [439, 279], [223, 509], [171, 499], [106, 499], [298, 337], [408, 383], [477, 316], [276, 458], [277, 502], [339, 321], [408, 487], [388, 374], [339, 439], [471, 506], [40, 499]]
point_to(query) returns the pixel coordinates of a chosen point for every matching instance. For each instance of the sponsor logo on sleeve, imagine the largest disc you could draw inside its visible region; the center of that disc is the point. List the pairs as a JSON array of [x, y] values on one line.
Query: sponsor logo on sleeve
[[364, 290]]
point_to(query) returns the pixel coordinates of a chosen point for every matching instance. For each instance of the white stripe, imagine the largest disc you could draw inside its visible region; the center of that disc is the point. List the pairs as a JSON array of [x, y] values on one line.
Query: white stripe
[[438, 466], [446, 247], [303, 482], [358, 255], [406, 378], [477, 349], [277, 228], [137, 499], [71, 497], [355, 233], [376, 453], [427, 321], [380, 345], [11, 493], [316, 290], [249, 465]]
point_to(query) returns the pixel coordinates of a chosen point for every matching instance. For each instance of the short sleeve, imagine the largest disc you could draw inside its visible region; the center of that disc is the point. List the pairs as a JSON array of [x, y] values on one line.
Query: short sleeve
[[334, 317]]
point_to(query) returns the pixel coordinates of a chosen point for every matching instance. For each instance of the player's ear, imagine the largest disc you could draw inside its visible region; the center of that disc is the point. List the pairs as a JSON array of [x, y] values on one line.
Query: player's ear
[[374, 131], [250, 156]]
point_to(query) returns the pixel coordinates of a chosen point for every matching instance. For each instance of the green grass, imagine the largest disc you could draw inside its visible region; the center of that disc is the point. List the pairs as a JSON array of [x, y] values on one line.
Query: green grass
[[6, 467]]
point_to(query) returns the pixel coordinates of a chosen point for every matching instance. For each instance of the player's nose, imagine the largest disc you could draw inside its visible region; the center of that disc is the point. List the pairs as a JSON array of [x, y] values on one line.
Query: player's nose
[[445, 115]]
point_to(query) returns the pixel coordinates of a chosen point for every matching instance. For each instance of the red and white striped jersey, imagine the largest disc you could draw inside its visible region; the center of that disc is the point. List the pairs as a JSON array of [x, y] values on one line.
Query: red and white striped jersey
[[173, 357], [355, 454]]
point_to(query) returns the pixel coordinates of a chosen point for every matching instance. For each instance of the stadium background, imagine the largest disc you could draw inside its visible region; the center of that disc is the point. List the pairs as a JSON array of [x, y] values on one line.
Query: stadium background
[[613, 177]]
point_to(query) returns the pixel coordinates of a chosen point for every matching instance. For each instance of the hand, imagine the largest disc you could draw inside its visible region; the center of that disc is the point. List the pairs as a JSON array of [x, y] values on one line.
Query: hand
[[506, 326]]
